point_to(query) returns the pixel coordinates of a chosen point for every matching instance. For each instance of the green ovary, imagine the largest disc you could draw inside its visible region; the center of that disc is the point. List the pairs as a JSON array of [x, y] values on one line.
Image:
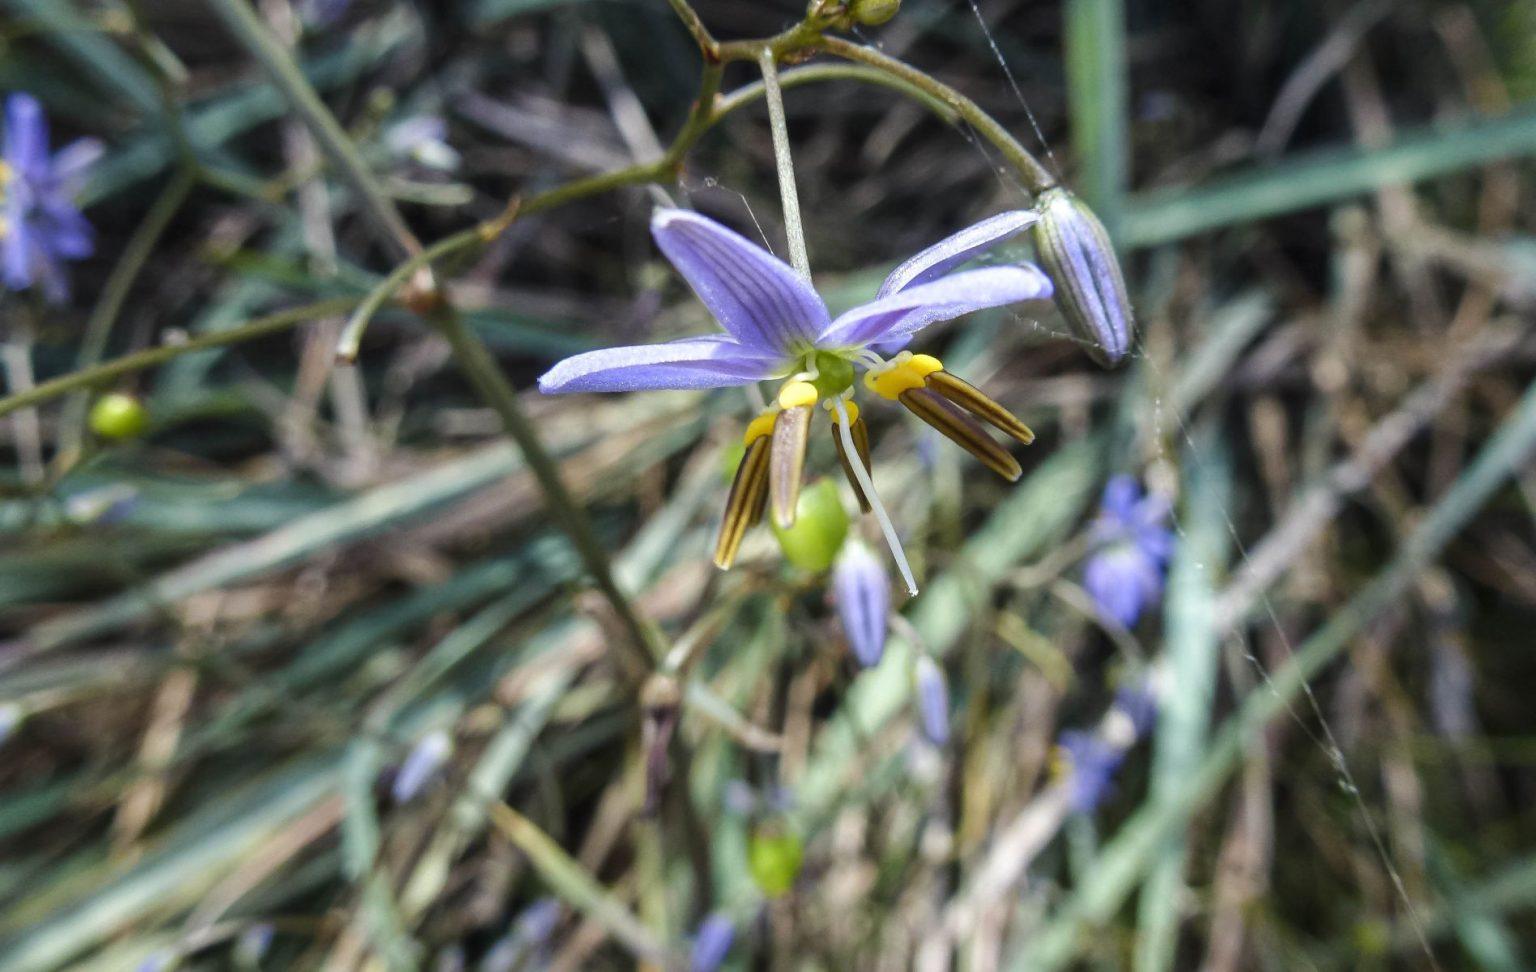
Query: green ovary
[[834, 373]]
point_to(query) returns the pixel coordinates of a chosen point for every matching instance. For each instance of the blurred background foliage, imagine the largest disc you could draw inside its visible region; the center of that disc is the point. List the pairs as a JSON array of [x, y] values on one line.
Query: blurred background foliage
[[305, 677]]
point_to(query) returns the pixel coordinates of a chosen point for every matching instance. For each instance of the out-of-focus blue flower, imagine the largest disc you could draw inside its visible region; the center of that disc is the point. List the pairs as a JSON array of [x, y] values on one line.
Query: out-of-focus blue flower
[[861, 589], [421, 765], [40, 225], [1132, 544], [1088, 765], [932, 700], [422, 139], [711, 943]]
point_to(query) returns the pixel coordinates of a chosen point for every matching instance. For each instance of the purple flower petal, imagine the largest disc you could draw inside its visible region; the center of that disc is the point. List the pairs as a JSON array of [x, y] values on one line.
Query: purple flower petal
[[1123, 581], [862, 591], [945, 299], [26, 135], [702, 362], [758, 298], [71, 164], [17, 244], [950, 252]]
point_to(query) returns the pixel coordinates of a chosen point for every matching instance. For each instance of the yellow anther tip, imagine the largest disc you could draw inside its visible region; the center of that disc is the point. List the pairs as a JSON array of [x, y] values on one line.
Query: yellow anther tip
[[925, 364], [903, 375], [797, 394], [852, 408], [759, 427]]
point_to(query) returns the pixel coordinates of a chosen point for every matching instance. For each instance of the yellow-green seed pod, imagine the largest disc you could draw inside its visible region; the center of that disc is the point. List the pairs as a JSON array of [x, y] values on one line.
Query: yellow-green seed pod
[[821, 525], [774, 858], [1090, 289], [118, 416], [872, 13]]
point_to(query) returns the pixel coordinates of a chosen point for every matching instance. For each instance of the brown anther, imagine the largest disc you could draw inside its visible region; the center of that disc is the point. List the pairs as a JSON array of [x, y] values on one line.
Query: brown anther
[[786, 462], [744, 504], [975, 401], [960, 428], [859, 432]]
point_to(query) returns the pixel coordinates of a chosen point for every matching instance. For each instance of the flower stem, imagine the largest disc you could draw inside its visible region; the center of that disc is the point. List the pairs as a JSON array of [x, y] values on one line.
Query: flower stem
[[150, 357], [255, 37], [1037, 178], [114, 294], [798, 258], [491, 384]]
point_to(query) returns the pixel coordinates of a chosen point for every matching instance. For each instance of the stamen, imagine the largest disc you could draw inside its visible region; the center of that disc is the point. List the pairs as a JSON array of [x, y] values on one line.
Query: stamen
[[861, 444], [973, 400], [961, 429], [876, 507], [791, 433], [744, 503]]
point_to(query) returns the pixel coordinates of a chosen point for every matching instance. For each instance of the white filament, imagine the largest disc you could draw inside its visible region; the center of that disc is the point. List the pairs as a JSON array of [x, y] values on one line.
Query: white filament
[[856, 462]]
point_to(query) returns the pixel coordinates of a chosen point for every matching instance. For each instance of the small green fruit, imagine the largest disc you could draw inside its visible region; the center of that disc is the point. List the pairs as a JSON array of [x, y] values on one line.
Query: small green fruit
[[118, 416], [821, 525], [874, 12], [774, 858]]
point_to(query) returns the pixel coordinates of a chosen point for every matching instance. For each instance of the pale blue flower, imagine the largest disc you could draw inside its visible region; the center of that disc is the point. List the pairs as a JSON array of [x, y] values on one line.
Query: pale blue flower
[[1132, 544], [777, 327], [861, 591], [40, 225]]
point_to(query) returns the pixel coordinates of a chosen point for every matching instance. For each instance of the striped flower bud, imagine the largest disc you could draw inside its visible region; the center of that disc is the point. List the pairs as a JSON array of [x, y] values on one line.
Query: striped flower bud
[[861, 590], [1090, 290]]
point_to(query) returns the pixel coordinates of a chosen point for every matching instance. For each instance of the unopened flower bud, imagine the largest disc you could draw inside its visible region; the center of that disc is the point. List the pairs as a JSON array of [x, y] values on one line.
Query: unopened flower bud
[[861, 590], [872, 13], [1090, 289], [821, 524], [932, 700]]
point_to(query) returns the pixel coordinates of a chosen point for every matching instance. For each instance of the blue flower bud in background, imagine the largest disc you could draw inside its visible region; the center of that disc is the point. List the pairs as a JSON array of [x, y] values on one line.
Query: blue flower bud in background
[[861, 591], [421, 766], [711, 943], [932, 701], [1090, 290]]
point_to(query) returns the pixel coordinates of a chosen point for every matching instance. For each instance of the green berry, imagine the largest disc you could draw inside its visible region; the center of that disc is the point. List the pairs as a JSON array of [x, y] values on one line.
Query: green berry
[[774, 858], [118, 416], [821, 525]]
